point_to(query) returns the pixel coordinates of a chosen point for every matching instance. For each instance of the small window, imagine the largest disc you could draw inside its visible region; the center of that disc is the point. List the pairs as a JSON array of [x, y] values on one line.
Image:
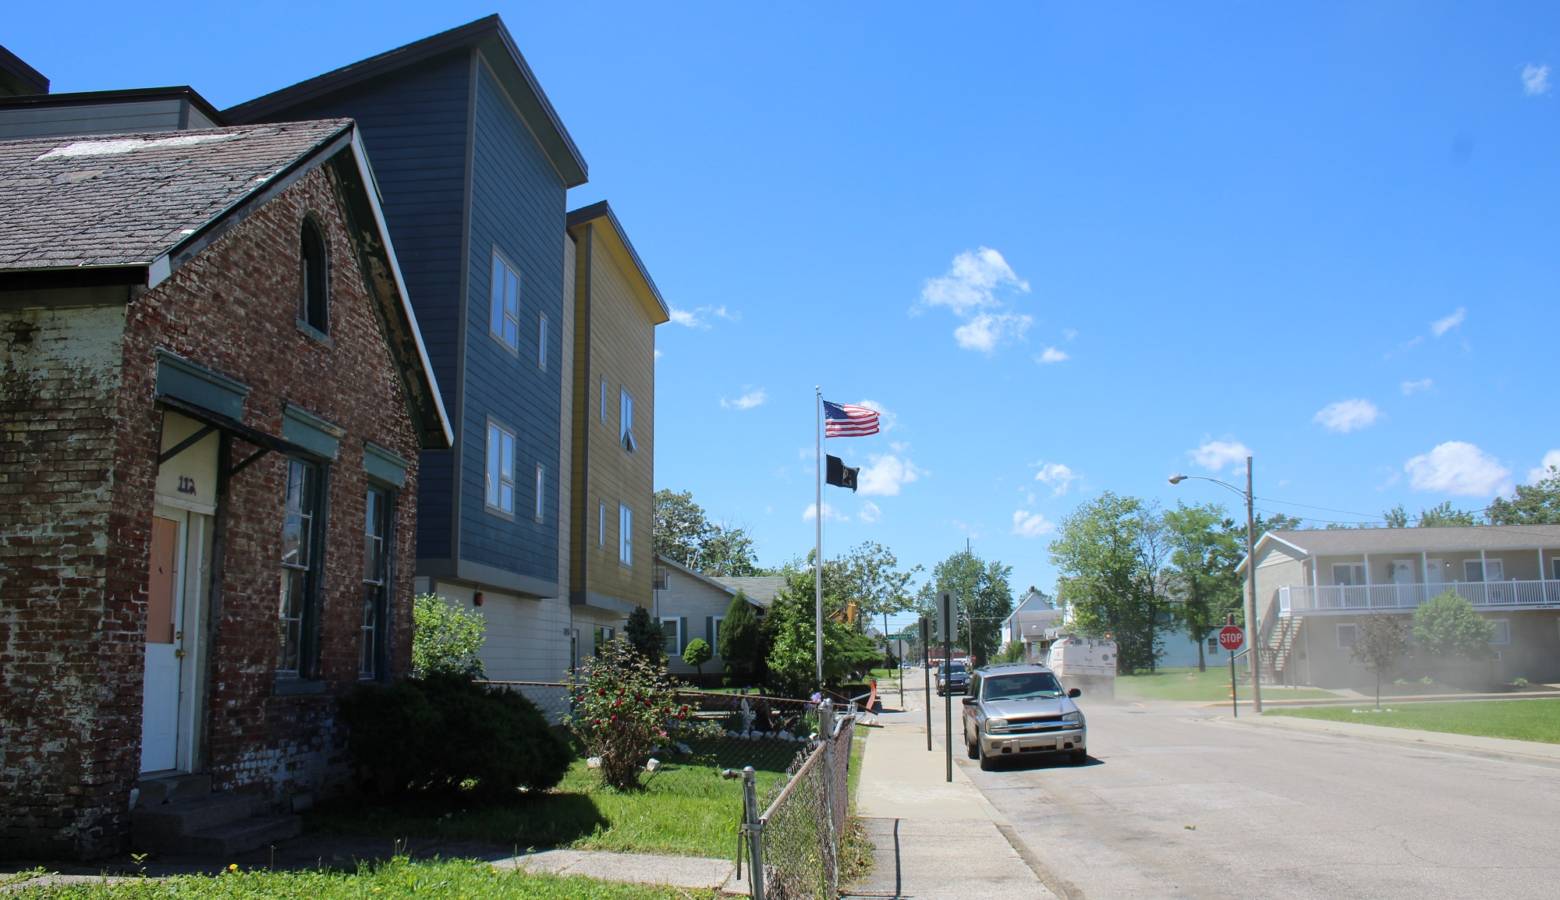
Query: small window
[[672, 628], [1501, 634], [314, 304], [1213, 644], [300, 569], [1347, 635], [602, 407], [504, 312], [1350, 574], [377, 523], [625, 535], [600, 635], [660, 579], [541, 492], [601, 525], [541, 341], [715, 632], [626, 421], [500, 476]]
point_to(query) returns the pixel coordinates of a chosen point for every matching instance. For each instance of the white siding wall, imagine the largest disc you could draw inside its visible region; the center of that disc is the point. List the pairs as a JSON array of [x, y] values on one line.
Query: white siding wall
[[527, 639], [689, 598]]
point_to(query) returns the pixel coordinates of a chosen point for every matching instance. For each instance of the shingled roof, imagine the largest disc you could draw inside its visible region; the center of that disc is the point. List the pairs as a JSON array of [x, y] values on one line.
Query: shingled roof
[[127, 199]]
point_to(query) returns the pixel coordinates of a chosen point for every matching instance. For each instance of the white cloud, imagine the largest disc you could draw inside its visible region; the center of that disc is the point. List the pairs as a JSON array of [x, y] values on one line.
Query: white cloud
[[700, 317], [972, 282], [1216, 455], [686, 318], [1535, 79], [1443, 325], [870, 512], [1069, 333], [986, 331], [897, 446], [751, 399], [1417, 385], [1052, 355], [830, 514], [1347, 415], [1031, 524], [1551, 460], [1457, 467], [886, 418], [1060, 477], [885, 475], [658, 353]]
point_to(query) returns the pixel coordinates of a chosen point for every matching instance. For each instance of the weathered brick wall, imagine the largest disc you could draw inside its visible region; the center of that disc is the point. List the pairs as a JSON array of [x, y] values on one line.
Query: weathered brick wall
[[232, 309], [60, 713]]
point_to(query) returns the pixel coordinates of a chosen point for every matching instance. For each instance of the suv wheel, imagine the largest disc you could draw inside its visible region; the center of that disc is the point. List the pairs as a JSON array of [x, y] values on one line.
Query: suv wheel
[[972, 747], [1078, 757], [987, 763]]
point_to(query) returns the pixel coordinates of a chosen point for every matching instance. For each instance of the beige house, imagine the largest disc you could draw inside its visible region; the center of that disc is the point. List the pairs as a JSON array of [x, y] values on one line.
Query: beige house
[[691, 605], [611, 459], [1314, 588]]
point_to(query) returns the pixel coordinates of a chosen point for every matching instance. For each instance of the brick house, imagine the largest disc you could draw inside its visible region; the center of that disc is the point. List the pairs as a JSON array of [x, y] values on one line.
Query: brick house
[[213, 397]]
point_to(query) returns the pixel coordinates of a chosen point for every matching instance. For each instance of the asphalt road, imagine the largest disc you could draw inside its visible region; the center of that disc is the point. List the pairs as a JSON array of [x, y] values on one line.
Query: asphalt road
[[1180, 802]]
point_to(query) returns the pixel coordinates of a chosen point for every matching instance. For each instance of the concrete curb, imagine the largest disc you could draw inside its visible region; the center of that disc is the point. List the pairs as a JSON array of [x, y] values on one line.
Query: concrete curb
[[1498, 748], [1409, 698]]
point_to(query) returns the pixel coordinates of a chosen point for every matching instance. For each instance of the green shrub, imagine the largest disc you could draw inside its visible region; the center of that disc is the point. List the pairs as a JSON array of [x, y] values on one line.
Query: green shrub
[[697, 653], [623, 705], [448, 735], [445, 638], [1448, 626], [645, 635]]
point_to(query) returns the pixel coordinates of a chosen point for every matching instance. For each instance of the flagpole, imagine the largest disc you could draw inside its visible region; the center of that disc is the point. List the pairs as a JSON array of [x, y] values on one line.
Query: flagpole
[[818, 550]]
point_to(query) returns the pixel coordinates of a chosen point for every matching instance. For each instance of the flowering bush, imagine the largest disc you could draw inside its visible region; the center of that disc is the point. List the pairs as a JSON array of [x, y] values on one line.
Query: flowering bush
[[624, 705]]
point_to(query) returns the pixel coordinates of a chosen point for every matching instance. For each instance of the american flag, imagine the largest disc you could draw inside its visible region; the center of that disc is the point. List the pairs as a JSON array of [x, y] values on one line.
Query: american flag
[[845, 420]]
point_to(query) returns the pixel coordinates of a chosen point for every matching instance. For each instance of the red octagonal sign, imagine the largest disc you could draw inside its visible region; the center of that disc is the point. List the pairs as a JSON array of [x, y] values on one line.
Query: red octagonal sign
[[1231, 637]]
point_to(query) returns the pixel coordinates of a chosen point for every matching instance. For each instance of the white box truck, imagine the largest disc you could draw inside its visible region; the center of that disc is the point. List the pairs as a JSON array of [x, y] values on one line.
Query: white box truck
[[1088, 664]]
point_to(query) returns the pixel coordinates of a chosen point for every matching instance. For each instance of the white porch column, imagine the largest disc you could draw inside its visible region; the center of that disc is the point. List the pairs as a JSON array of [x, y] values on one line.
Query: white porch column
[[1484, 577], [1424, 576]]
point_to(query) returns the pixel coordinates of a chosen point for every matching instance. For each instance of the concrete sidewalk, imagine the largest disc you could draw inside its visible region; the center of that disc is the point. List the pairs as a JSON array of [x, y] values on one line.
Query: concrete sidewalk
[[689, 872], [932, 838], [1505, 748]]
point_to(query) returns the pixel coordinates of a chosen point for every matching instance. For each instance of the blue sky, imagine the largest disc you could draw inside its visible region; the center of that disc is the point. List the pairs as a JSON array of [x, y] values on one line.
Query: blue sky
[[1067, 250]]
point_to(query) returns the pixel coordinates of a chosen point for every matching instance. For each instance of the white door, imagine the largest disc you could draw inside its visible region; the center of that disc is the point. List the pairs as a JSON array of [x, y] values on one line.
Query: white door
[[1403, 571], [164, 618]]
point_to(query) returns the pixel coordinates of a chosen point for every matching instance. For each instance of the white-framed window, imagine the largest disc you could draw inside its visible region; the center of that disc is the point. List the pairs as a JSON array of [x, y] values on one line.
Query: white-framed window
[[504, 297], [378, 522], [625, 535], [1484, 570], [715, 633], [540, 513], [541, 341], [626, 420], [1501, 635], [672, 628], [499, 478], [301, 570], [1347, 635], [661, 579], [601, 524], [1348, 573], [1213, 644], [601, 408], [1554, 563]]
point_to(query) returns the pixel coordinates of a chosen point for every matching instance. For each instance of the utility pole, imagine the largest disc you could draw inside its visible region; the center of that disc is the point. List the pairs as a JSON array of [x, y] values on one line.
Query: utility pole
[[1251, 597], [947, 611]]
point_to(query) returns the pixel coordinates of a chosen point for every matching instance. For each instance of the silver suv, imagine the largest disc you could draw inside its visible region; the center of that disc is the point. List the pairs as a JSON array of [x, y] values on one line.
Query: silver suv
[[1019, 709]]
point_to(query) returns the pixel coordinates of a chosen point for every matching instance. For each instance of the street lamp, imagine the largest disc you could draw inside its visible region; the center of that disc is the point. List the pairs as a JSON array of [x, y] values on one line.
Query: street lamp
[[1251, 579]]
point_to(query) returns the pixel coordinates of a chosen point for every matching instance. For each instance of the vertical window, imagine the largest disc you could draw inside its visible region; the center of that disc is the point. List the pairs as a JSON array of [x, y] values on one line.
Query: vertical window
[[601, 525], [541, 341], [504, 314], [672, 629], [500, 476], [625, 535], [1347, 635], [601, 408], [300, 568], [377, 519], [715, 632], [626, 420], [600, 635], [314, 304], [1500, 635], [541, 492]]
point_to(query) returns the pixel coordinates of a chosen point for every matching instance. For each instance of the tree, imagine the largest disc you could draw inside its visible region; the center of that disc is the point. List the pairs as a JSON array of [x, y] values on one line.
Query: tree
[[1534, 504], [982, 598], [1012, 651], [1447, 626], [645, 635], [446, 639], [741, 640], [1444, 516], [622, 704], [1204, 550], [791, 651], [1397, 517], [876, 583], [1380, 642], [680, 531], [1273, 522], [696, 654], [1109, 554]]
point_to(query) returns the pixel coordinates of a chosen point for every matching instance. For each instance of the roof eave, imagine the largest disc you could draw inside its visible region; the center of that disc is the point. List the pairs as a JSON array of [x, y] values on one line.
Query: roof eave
[[602, 210]]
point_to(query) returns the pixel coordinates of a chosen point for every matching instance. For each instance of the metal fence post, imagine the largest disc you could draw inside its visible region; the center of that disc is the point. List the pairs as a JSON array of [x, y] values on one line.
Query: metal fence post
[[754, 826], [826, 726]]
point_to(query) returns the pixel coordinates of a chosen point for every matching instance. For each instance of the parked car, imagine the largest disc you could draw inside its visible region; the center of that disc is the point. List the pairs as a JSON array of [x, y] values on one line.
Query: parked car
[[952, 678], [1020, 709]]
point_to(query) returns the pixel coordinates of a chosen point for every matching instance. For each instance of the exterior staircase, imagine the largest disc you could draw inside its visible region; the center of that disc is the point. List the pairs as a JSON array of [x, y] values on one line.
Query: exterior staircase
[[179, 814], [1278, 650]]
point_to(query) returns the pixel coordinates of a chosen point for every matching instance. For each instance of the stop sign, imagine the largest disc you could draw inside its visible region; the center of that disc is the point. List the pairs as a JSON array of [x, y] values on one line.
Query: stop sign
[[1231, 637]]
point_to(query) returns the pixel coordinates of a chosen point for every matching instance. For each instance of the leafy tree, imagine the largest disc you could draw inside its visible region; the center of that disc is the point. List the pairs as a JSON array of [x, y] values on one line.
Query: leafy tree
[[1380, 644], [742, 639], [876, 583], [1204, 552], [645, 635], [1271, 522], [1444, 516], [1012, 651], [791, 624], [682, 532], [982, 598], [1110, 553], [1534, 504], [697, 653], [1448, 626], [446, 639], [1397, 517]]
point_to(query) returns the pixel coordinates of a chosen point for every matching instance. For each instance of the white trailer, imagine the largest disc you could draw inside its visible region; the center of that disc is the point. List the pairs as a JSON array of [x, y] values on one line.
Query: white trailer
[[1088, 664]]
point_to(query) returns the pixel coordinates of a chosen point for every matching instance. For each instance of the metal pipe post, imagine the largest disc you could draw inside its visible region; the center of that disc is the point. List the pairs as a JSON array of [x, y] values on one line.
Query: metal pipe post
[[926, 674], [755, 832], [947, 605], [1254, 632]]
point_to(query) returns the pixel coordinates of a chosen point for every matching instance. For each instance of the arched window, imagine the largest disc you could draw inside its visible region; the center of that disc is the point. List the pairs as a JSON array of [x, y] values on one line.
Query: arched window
[[314, 304]]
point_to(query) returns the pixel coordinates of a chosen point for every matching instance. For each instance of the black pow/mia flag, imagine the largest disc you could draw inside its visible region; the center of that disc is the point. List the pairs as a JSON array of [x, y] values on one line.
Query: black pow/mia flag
[[841, 475]]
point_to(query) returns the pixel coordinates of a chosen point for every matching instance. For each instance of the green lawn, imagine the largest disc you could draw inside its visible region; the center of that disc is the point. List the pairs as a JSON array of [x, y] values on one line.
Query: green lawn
[[1212, 685], [397, 878], [684, 809], [1522, 720]]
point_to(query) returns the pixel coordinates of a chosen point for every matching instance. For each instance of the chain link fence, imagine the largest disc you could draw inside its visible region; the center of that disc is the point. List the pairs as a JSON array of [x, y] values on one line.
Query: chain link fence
[[794, 843]]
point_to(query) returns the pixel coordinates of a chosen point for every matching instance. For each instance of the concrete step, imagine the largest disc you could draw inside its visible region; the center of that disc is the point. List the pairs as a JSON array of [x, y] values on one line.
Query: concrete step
[[242, 836], [172, 788], [161, 827]]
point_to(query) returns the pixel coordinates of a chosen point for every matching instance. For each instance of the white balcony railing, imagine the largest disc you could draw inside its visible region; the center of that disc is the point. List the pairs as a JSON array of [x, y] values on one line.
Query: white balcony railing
[[1365, 598]]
